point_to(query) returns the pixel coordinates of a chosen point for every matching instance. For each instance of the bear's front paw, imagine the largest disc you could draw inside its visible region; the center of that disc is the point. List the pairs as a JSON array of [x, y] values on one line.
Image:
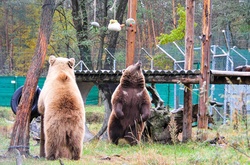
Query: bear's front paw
[[51, 157], [119, 114], [144, 117]]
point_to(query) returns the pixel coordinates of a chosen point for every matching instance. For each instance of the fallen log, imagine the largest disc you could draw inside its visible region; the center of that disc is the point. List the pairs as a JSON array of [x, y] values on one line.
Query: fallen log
[[158, 125]]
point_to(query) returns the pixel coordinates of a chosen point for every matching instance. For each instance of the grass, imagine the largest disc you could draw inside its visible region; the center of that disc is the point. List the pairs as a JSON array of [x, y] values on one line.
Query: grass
[[102, 152]]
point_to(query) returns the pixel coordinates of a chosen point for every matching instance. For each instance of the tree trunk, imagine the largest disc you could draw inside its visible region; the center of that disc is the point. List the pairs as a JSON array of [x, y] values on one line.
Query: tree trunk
[[6, 27], [84, 88], [114, 35], [156, 99], [153, 30], [80, 21], [20, 134], [103, 34], [107, 91], [205, 69], [189, 60]]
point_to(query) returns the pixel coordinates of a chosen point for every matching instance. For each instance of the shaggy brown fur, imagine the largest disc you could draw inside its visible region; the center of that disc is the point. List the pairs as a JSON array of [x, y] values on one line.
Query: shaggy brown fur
[[61, 104], [131, 105]]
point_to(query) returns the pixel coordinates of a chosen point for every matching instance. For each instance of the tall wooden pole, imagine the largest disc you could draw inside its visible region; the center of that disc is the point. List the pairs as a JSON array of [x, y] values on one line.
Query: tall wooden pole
[[131, 33], [189, 59], [20, 134], [205, 69]]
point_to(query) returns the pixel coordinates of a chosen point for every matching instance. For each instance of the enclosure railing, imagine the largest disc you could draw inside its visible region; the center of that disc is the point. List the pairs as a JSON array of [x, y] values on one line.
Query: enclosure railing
[[151, 59], [114, 59], [233, 49], [81, 63]]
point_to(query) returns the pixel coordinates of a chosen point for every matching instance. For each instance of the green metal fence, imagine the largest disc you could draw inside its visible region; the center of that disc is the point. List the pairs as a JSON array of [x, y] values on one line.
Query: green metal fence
[[167, 94], [9, 84]]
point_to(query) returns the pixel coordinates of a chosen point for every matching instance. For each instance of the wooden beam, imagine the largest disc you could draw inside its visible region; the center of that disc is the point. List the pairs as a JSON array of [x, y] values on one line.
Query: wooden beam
[[230, 73], [205, 69], [229, 77], [131, 33]]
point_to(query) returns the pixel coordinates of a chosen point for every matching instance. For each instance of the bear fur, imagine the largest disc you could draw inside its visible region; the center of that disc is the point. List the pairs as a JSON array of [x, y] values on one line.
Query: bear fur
[[61, 104], [131, 105]]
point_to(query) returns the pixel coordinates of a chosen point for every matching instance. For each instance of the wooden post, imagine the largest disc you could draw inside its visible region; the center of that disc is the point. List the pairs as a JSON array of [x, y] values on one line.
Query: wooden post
[[20, 134], [205, 70], [189, 59], [131, 33]]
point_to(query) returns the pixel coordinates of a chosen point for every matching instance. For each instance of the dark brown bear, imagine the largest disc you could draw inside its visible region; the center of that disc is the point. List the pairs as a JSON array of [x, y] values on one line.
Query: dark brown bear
[[130, 107]]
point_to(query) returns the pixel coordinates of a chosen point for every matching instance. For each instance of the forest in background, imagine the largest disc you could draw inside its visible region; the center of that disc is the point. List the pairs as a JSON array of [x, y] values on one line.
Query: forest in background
[[73, 35]]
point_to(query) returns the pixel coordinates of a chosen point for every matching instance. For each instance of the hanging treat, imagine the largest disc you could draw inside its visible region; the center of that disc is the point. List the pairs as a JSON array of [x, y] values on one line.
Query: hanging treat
[[130, 22], [95, 24], [114, 25]]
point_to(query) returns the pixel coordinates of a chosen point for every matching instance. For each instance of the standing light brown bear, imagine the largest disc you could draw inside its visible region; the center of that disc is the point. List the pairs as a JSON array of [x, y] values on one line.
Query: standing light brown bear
[[131, 105], [61, 104]]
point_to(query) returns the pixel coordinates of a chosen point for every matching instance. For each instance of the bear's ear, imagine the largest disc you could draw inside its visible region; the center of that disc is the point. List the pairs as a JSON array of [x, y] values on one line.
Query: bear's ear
[[71, 62], [52, 60]]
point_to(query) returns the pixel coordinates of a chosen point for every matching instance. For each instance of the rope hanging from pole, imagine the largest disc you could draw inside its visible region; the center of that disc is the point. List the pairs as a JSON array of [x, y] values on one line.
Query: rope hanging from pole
[[94, 10], [95, 24]]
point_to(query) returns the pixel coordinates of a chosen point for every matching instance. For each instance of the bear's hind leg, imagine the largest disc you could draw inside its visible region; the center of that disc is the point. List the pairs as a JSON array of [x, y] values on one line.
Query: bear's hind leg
[[75, 143], [133, 133], [54, 140], [50, 150], [115, 132], [114, 138]]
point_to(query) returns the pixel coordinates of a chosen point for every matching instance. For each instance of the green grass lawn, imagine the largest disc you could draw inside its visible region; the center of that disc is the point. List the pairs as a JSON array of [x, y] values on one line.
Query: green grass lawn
[[147, 153]]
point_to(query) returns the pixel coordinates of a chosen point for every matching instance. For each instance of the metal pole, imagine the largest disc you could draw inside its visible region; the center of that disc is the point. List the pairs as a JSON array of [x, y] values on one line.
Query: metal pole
[[179, 49], [233, 48], [166, 53], [227, 87], [228, 47], [175, 93], [151, 61], [81, 63], [114, 63]]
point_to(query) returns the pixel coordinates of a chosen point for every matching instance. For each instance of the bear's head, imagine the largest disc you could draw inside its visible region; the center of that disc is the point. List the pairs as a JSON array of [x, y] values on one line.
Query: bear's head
[[62, 67], [132, 76]]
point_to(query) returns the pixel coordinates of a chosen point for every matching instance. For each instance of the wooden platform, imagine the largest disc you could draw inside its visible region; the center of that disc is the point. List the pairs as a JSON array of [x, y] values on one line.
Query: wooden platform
[[166, 76]]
